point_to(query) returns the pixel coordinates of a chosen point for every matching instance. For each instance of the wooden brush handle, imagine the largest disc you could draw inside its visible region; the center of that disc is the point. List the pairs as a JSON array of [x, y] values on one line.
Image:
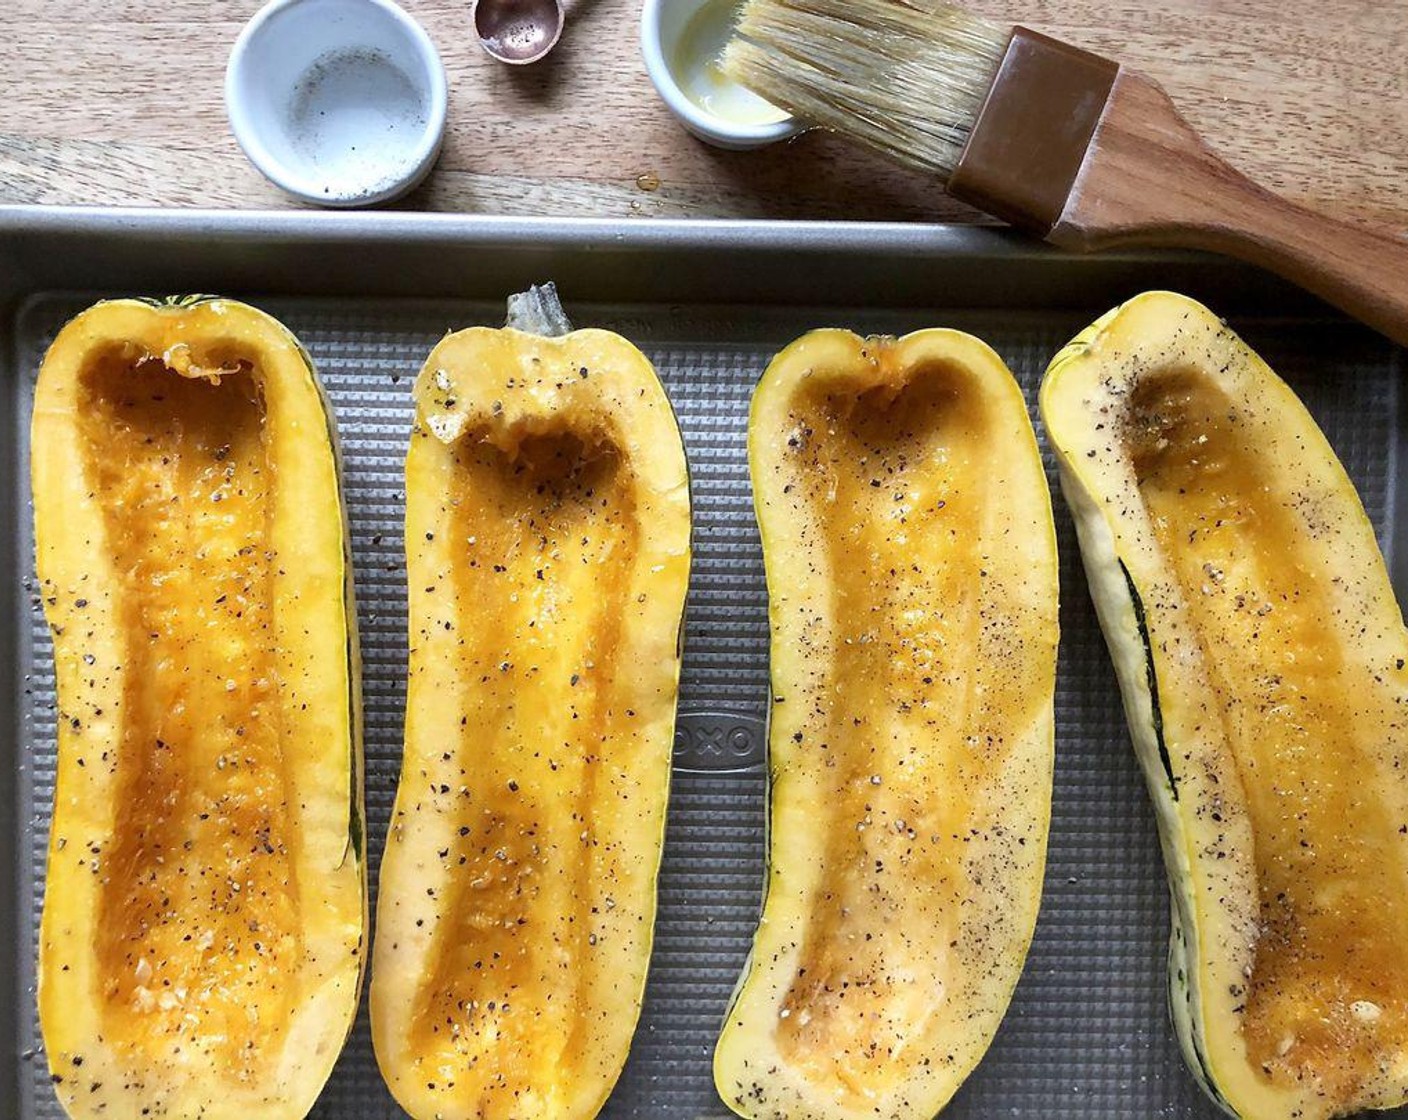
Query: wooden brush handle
[[1149, 180]]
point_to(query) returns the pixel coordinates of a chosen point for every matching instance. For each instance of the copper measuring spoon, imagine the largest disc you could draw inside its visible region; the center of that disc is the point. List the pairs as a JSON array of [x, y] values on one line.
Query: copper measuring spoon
[[517, 31]]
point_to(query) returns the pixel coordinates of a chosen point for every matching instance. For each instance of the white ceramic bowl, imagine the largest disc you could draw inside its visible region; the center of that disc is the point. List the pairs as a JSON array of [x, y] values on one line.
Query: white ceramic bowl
[[675, 54], [339, 102]]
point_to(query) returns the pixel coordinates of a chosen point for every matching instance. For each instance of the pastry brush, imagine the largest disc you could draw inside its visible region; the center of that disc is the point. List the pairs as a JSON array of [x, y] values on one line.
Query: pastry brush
[[1075, 148]]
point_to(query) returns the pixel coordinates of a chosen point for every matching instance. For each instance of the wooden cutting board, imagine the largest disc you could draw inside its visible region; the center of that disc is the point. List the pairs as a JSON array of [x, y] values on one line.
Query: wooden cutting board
[[120, 101]]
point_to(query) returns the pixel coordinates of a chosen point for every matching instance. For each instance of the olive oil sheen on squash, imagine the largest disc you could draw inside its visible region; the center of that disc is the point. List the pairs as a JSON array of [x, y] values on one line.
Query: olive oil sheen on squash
[[203, 919], [1261, 654], [1329, 975], [911, 568], [547, 539]]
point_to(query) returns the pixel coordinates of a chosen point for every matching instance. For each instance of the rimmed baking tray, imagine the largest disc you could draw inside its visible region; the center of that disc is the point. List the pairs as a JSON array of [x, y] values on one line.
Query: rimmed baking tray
[[1088, 1032]]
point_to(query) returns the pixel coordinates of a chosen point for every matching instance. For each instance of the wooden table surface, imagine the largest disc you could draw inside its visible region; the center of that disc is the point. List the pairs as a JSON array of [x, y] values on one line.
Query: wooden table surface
[[120, 101]]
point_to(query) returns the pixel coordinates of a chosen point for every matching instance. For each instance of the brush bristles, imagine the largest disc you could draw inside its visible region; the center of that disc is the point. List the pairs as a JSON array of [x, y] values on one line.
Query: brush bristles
[[904, 77]]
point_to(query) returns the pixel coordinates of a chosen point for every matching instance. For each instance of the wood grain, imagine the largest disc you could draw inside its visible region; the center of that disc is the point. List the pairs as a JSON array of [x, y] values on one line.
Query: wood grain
[[120, 101], [1149, 181]]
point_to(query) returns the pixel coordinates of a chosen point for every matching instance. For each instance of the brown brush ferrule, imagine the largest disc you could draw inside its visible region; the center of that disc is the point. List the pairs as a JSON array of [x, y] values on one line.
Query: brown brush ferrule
[[1033, 130]]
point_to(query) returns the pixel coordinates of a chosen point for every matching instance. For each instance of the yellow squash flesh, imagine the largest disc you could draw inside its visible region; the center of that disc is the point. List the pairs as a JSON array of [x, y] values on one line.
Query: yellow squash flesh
[[547, 548], [204, 907], [912, 582], [1261, 655]]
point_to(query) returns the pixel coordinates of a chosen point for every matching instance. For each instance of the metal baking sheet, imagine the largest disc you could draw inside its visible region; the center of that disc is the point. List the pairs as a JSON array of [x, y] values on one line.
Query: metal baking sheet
[[1088, 1033]]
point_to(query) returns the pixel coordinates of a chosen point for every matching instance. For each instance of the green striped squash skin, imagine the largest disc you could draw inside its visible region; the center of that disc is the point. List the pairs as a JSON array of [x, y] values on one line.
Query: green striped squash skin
[[1261, 656]]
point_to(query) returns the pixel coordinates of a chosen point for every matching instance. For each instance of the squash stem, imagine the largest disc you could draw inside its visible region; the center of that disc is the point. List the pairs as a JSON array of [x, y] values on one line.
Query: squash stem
[[538, 311]]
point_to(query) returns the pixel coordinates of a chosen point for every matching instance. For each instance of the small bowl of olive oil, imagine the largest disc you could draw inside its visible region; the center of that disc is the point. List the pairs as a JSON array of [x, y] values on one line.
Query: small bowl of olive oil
[[682, 41]]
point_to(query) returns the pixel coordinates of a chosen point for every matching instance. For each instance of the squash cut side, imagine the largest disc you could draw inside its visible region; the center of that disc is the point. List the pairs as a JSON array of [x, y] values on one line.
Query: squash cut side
[[1272, 635], [1333, 913], [547, 534], [203, 912], [912, 588], [179, 469]]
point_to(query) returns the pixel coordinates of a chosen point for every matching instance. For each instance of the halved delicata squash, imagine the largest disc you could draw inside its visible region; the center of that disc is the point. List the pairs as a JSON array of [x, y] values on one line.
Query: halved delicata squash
[[547, 549], [204, 906], [1261, 657], [912, 585]]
